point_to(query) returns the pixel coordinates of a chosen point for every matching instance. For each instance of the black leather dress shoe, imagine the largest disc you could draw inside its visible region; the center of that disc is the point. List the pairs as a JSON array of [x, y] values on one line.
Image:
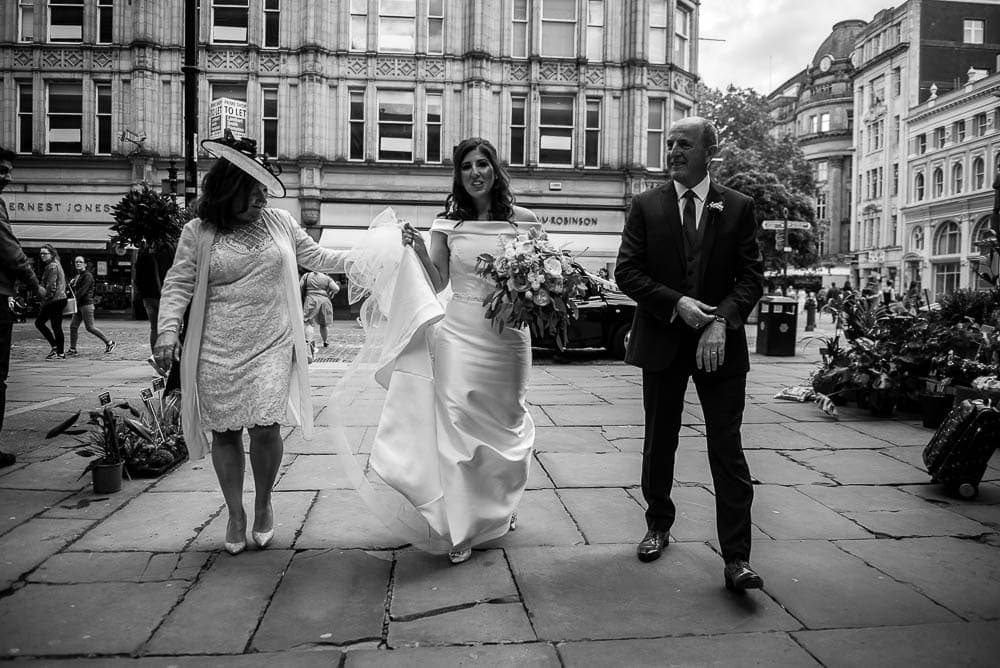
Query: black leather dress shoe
[[652, 545], [740, 577]]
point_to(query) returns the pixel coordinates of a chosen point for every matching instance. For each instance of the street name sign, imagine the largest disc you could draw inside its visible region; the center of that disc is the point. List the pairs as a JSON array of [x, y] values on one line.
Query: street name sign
[[792, 225]]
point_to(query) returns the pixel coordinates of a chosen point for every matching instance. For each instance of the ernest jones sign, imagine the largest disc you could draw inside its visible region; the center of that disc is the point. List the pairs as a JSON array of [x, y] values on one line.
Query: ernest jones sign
[[29, 207]]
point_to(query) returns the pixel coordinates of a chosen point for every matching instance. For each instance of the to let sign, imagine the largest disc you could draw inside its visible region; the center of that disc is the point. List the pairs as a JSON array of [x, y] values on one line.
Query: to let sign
[[224, 113]]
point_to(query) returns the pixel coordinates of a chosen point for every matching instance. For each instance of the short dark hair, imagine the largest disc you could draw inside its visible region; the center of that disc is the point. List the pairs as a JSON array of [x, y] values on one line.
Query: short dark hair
[[223, 184], [7, 154], [459, 205]]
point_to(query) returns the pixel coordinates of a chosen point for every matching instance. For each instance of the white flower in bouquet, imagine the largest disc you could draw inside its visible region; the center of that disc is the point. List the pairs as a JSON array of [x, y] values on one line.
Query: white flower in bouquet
[[553, 266]]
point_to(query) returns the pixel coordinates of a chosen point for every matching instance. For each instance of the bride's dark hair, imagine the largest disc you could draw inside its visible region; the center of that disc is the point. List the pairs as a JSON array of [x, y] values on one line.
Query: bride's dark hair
[[460, 205]]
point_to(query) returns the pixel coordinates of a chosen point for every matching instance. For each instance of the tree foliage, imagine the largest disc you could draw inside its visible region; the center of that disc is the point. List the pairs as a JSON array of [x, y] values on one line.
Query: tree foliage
[[771, 170], [144, 217]]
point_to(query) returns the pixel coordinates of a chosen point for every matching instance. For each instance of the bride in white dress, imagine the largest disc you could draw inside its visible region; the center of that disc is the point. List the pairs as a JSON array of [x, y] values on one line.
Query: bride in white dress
[[483, 430]]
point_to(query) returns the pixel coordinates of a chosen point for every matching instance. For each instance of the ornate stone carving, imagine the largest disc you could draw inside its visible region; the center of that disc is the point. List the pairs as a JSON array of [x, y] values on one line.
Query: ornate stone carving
[[557, 71], [434, 69], [227, 59], [23, 58], [103, 60], [62, 59], [659, 77], [357, 66], [270, 62], [400, 68], [595, 76], [683, 84], [518, 72]]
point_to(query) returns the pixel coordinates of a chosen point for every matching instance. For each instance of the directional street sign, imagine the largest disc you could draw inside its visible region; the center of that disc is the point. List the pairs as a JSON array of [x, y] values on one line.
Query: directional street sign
[[780, 225]]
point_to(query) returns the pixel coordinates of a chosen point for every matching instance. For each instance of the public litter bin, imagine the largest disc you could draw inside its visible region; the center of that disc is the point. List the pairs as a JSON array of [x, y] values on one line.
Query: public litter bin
[[777, 320]]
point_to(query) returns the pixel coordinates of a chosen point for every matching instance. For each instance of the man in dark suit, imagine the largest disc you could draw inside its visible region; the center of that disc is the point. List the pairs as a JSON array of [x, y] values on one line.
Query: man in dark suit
[[690, 260]]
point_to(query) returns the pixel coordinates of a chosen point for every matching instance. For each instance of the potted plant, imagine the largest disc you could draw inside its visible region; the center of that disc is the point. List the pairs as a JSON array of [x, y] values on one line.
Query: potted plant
[[104, 443], [157, 442]]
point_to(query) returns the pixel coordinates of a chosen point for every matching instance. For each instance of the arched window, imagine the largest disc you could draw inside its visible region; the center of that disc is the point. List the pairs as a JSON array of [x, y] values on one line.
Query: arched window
[[918, 187], [978, 174], [917, 239], [956, 178], [979, 231], [947, 239], [937, 182]]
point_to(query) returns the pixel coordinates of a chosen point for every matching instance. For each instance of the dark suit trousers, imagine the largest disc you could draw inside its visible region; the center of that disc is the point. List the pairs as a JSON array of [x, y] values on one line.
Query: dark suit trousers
[[722, 401]]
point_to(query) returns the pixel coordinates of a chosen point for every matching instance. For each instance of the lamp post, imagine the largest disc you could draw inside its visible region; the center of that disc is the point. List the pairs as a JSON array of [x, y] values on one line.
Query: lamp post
[[191, 71]]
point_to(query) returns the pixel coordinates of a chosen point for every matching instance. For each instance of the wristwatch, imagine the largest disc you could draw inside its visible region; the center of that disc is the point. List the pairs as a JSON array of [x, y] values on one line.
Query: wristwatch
[[719, 318]]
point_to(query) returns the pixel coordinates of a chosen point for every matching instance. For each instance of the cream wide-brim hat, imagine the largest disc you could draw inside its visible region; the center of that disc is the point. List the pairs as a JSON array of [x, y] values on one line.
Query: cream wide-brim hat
[[246, 161]]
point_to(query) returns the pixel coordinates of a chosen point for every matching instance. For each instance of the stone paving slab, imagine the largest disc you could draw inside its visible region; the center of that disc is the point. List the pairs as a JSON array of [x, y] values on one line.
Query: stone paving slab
[[427, 584], [82, 567], [26, 546], [859, 467], [695, 520], [86, 505], [289, 511], [825, 587], [537, 477], [235, 588], [317, 658], [895, 432], [962, 575], [18, 506], [605, 515], [836, 435], [571, 439], [340, 519], [164, 522], [785, 513], [920, 646], [842, 498], [60, 473], [326, 597], [608, 469], [316, 472], [105, 618], [482, 623], [621, 413], [679, 594], [735, 650], [541, 520], [917, 522], [770, 467], [533, 655], [777, 437]]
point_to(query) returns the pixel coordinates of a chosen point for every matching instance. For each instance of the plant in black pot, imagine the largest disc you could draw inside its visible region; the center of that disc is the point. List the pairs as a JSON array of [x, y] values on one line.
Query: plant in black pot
[[105, 443], [157, 440]]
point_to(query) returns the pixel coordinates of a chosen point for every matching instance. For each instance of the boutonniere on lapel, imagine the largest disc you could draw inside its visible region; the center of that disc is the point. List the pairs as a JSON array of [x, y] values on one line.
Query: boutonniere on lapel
[[715, 207]]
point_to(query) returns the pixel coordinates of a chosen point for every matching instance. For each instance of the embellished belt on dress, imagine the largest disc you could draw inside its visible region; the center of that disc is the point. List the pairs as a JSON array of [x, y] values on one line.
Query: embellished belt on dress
[[463, 297]]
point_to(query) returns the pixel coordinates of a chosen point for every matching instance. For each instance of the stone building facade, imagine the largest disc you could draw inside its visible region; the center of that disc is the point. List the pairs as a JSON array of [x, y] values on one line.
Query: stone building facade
[[360, 100]]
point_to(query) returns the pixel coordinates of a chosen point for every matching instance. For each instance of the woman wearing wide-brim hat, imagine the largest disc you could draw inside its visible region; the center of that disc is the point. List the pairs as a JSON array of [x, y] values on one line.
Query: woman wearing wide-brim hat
[[243, 359]]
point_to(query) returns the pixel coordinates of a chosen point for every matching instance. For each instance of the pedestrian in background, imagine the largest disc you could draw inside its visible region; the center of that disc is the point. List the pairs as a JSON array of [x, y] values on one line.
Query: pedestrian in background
[[317, 304], [810, 309], [243, 360], [83, 287], [50, 317], [14, 266], [151, 265]]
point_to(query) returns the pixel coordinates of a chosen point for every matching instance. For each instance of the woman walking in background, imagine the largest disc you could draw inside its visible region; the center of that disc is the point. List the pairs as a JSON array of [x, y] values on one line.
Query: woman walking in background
[[50, 317], [83, 287]]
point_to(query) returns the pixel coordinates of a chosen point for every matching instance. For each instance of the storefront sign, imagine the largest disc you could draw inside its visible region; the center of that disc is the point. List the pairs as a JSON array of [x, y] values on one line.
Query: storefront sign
[[580, 220], [52, 207]]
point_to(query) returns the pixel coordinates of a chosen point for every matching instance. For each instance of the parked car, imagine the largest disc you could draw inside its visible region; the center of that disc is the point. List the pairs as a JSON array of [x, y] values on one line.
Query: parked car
[[605, 319]]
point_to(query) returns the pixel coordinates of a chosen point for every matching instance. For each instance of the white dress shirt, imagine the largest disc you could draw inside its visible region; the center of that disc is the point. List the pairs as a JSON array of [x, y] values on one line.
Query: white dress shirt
[[700, 192]]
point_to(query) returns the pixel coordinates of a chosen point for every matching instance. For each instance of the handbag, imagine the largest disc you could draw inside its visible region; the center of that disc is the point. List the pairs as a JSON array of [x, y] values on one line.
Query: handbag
[[70, 308]]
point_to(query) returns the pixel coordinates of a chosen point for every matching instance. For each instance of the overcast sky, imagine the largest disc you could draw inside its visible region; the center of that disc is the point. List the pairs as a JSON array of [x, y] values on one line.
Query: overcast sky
[[768, 41]]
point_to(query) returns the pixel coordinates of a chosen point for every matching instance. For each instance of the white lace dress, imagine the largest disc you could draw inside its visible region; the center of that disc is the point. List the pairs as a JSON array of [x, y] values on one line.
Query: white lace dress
[[245, 366]]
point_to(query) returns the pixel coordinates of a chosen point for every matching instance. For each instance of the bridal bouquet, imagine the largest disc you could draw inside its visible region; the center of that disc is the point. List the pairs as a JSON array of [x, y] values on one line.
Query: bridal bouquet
[[535, 285]]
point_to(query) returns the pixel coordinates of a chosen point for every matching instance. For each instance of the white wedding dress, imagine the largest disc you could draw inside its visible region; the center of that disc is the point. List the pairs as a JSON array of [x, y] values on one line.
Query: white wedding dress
[[454, 438]]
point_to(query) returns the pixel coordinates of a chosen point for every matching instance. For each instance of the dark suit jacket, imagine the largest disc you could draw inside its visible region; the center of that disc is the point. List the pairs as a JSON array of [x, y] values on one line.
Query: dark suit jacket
[[652, 270]]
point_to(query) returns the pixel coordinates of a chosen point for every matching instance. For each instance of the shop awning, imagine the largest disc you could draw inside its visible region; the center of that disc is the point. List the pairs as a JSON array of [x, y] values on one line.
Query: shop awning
[[76, 235]]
